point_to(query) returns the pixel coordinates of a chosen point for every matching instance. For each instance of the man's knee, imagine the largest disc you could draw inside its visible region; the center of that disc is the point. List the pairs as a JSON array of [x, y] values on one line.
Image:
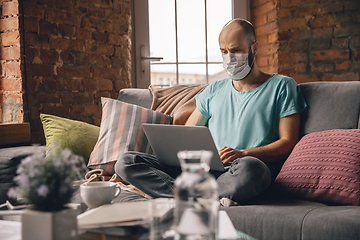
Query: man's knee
[[123, 162]]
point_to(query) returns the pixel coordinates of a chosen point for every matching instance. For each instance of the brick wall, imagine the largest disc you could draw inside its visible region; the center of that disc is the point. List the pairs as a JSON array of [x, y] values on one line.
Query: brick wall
[[75, 53], [310, 40], [11, 80], [264, 20]]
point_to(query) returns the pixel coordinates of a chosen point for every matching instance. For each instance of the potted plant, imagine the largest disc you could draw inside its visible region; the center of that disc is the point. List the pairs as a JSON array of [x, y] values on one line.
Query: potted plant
[[45, 182]]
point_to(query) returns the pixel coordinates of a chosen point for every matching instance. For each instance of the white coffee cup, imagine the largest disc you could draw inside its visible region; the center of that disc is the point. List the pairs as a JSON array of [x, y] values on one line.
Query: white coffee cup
[[96, 194]]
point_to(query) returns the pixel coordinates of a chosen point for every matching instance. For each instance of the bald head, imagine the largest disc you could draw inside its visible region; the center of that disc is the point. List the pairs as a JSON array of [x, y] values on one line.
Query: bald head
[[242, 26]]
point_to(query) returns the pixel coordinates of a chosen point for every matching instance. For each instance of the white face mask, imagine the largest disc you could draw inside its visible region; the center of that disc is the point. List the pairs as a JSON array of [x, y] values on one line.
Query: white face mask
[[238, 65]]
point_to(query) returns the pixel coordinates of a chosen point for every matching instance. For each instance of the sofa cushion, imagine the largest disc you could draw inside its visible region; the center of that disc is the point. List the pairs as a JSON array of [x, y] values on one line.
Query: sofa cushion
[[334, 222], [331, 105], [121, 131], [79, 137], [272, 219], [324, 166], [9, 160]]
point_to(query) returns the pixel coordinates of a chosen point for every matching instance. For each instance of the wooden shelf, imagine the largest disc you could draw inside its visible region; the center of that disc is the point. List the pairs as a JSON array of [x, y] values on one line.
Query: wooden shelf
[[12, 133]]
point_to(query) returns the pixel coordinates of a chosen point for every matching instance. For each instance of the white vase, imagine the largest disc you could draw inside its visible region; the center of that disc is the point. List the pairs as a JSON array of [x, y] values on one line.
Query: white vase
[[61, 225]]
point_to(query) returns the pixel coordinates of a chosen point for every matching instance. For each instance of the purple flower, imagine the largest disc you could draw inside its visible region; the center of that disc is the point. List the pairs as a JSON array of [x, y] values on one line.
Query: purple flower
[[43, 190]]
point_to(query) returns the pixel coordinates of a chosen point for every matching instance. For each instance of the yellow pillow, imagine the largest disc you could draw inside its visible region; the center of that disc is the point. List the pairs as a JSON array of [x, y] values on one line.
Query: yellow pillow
[[79, 137]]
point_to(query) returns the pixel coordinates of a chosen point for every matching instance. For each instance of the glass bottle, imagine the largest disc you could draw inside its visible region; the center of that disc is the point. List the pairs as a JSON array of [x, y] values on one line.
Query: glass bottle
[[196, 198]]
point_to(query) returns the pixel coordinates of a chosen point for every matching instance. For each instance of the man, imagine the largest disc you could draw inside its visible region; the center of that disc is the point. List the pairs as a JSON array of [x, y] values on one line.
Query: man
[[254, 119]]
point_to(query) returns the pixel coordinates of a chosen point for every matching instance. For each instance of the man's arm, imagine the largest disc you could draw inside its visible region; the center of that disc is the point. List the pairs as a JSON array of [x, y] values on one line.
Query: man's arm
[[196, 119], [280, 149]]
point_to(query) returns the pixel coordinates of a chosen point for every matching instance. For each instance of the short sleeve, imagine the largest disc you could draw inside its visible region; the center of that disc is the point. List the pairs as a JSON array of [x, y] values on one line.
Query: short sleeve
[[203, 100], [291, 100]]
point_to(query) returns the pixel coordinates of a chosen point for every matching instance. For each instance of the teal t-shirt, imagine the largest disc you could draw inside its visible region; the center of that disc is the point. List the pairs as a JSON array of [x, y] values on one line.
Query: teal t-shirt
[[242, 120]]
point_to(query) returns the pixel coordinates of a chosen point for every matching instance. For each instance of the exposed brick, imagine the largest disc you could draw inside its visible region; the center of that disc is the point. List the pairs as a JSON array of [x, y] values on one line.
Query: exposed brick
[[262, 9], [97, 13], [105, 49], [120, 63], [119, 84], [262, 61], [307, 11], [101, 94], [103, 61], [356, 42], [73, 84], [59, 110], [86, 58], [93, 109], [67, 44], [11, 84], [48, 3], [47, 28], [53, 84], [117, 40], [69, 98], [10, 53], [13, 69], [340, 43], [84, 34], [268, 49], [90, 85], [10, 8], [31, 24], [77, 110], [108, 73], [31, 53], [36, 39], [322, 21], [345, 31], [70, 72], [342, 77], [343, 66], [291, 3], [49, 56], [105, 84], [332, 8], [322, 67], [40, 70], [283, 12], [7, 24], [259, 20], [320, 44], [31, 10], [66, 5], [10, 38], [287, 58], [100, 37], [266, 29], [68, 57], [292, 24], [351, 5], [305, 77], [67, 30], [273, 38], [330, 54], [271, 16]]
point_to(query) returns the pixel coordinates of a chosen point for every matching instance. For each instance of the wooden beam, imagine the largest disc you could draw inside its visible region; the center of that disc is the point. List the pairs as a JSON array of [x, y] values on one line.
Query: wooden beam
[[11, 133]]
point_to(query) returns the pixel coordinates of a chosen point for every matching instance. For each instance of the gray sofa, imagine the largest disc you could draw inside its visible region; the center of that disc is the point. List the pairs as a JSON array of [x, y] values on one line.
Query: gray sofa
[[332, 105]]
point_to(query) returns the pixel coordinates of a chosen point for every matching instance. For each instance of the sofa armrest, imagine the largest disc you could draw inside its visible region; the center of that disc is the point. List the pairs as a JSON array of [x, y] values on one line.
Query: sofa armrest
[[136, 96]]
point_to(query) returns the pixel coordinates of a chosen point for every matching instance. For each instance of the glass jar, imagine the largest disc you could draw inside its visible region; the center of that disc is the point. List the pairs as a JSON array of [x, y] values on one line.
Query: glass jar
[[196, 198]]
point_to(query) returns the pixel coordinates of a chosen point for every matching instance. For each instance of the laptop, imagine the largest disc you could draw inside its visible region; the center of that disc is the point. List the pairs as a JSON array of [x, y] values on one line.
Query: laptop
[[167, 140]]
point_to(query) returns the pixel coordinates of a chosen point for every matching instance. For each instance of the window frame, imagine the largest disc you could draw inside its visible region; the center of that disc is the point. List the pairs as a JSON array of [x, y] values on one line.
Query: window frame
[[140, 71]]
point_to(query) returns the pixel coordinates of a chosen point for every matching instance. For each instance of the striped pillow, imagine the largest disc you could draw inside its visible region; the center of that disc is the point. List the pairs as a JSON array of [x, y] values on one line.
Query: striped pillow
[[121, 131]]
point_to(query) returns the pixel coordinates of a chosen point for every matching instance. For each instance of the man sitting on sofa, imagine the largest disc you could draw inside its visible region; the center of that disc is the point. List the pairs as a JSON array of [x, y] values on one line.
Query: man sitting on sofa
[[253, 117]]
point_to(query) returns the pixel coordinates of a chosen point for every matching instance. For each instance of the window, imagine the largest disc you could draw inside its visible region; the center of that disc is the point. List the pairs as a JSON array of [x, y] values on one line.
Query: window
[[179, 39]]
